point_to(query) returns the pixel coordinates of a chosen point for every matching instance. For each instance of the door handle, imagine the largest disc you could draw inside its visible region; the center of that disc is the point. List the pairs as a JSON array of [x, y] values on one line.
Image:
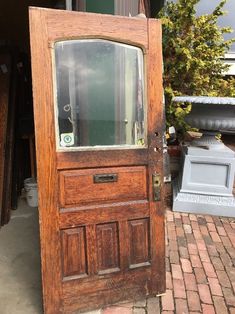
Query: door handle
[[104, 178], [156, 181]]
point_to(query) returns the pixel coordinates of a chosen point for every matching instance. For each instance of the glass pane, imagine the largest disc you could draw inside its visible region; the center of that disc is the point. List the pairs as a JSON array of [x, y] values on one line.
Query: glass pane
[[100, 93]]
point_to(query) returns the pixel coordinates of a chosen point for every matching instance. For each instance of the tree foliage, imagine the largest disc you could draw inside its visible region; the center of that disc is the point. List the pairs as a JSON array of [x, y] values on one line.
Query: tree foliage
[[193, 48]]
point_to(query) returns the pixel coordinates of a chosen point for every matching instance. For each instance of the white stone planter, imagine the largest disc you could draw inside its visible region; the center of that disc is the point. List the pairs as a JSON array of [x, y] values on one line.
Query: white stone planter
[[205, 184]]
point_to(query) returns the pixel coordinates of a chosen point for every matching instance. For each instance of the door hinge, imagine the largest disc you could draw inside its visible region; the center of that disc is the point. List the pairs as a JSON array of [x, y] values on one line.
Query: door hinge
[[156, 187]]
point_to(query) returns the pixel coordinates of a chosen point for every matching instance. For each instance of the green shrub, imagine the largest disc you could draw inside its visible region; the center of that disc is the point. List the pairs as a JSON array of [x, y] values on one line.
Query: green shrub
[[192, 50]]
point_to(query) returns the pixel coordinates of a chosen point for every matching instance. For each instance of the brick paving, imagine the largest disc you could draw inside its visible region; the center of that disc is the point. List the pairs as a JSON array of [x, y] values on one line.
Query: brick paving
[[200, 268]]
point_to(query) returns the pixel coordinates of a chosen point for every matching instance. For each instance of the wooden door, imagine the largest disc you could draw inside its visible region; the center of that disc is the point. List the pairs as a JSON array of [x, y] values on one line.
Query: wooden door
[[97, 85]]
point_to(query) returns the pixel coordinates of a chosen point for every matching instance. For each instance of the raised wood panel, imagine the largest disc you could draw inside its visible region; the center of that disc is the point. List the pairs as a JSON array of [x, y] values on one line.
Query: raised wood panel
[[107, 242], [78, 186], [74, 257], [139, 242]]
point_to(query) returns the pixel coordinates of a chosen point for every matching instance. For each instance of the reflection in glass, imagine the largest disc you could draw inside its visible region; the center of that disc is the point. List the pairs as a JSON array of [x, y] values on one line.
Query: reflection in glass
[[100, 93]]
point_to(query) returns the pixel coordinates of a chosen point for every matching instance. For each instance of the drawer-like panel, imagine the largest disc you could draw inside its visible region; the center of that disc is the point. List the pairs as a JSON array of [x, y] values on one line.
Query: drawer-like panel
[[89, 186]]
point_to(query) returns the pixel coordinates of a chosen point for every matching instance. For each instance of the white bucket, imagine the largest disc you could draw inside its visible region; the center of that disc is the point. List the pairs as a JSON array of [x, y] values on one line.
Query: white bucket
[[31, 189]]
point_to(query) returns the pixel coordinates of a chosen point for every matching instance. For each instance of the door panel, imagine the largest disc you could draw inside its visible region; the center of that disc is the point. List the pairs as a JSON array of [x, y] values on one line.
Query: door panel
[[101, 232], [103, 185], [74, 253]]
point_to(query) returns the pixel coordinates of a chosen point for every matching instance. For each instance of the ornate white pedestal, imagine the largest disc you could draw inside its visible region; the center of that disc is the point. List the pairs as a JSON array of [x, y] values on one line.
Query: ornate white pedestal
[[205, 184]]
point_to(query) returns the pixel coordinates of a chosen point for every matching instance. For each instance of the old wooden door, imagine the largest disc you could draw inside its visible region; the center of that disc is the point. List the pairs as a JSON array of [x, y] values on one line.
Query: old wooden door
[[97, 85]]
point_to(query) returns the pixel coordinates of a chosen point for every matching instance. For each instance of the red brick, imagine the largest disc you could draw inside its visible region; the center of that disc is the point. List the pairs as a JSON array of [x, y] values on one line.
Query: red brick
[[187, 228], [215, 237], [167, 301], [220, 306], [193, 301], [226, 241], [192, 217], [216, 261], [226, 260], [171, 235], [223, 279], [185, 219], [231, 252], [153, 305], [221, 231], [190, 282], [211, 227], [208, 309], [220, 247], [215, 286], [181, 306], [117, 310], [177, 215], [186, 265], [173, 245], [168, 280], [204, 230], [232, 238], [167, 312], [167, 263], [201, 245], [195, 225], [174, 257], [204, 256], [179, 289], [200, 275], [212, 250], [209, 269], [183, 252], [192, 248], [176, 272], [208, 218], [169, 216], [204, 293], [180, 231], [197, 234], [195, 260], [229, 296], [232, 310], [227, 227]]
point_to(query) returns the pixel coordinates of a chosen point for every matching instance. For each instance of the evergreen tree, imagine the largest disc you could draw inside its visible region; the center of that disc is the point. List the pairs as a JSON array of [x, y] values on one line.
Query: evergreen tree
[[193, 49]]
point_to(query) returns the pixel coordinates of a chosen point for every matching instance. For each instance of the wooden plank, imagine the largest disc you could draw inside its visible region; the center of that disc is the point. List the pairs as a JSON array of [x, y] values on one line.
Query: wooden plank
[[5, 72], [46, 163], [10, 142], [156, 129]]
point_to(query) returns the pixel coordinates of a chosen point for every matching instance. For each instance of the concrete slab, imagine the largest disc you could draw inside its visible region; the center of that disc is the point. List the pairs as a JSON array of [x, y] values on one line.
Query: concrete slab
[[20, 278]]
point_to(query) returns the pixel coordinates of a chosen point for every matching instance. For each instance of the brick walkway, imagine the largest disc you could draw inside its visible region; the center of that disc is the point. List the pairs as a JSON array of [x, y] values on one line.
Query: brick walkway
[[200, 265]]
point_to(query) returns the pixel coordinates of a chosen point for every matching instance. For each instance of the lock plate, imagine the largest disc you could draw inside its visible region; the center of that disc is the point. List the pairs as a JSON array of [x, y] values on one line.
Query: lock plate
[[156, 187]]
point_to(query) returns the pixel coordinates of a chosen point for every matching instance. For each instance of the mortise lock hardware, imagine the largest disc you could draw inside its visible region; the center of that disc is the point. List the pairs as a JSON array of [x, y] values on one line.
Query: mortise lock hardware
[[156, 178]]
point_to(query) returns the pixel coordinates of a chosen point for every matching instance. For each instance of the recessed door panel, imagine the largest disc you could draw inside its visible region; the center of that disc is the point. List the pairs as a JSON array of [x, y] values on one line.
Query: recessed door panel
[[97, 86]]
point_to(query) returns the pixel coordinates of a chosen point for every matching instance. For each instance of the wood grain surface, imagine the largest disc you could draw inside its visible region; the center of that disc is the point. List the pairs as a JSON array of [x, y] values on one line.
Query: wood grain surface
[[100, 242]]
